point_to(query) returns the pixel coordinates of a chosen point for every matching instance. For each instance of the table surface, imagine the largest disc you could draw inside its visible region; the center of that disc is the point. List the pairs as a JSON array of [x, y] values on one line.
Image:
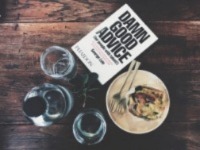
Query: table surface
[[30, 26]]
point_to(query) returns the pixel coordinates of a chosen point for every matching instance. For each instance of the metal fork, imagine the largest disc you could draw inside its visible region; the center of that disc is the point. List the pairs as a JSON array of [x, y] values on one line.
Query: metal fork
[[117, 97], [122, 102]]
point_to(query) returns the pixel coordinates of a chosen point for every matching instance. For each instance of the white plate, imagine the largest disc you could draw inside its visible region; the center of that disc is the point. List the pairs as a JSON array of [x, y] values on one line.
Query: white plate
[[128, 122]]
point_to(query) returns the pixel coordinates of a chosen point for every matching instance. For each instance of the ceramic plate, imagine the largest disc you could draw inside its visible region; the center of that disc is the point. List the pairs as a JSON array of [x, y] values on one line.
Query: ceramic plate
[[128, 122]]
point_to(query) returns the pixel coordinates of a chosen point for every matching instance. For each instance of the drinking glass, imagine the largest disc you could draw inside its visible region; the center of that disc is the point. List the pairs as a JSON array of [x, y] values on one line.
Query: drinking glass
[[58, 63], [47, 103], [89, 127]]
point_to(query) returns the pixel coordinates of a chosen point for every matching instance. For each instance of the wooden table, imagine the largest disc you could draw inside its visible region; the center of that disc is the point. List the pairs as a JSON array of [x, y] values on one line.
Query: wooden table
[[30, 26]]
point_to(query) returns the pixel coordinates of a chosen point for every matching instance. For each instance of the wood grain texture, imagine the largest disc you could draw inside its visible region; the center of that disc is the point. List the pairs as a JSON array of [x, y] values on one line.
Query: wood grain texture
[[98, 10], [61, 137], [30, 26], [174, 58]]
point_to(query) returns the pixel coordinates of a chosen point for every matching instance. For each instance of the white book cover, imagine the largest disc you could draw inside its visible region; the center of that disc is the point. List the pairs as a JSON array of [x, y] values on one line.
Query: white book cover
[[114, 43]]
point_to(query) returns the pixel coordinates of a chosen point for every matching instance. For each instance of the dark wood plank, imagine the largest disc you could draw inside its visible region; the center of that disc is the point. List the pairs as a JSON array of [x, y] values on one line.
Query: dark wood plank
[[30, 26], [98, 10], [174, 136], [174, 58]]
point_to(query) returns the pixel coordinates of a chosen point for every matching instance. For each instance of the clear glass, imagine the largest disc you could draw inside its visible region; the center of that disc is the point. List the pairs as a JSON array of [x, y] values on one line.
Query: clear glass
[[45, 104], [89, 127], [58, 63]]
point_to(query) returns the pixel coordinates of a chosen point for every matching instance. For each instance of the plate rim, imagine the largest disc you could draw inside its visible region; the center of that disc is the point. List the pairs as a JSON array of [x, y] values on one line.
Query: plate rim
[[139, 133]]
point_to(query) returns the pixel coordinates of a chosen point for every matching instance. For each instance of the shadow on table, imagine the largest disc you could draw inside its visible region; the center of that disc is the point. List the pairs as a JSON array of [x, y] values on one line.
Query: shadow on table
[[3, 139], [156, 140], [117, 140], [161, 139], [2, 10]]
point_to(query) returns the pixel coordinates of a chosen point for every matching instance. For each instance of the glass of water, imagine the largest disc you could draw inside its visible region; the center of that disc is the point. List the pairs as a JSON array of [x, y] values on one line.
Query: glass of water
[[47, 103], [58, 63], [89, 127]]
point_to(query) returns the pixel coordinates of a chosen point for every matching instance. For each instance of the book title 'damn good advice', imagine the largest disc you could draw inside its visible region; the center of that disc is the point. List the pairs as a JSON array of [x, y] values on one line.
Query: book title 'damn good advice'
[[114, 43]]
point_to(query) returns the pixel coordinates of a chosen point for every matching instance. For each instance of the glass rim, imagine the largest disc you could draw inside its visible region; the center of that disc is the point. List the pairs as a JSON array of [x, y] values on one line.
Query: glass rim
[[103, 124], [49, 85], [48, 51]]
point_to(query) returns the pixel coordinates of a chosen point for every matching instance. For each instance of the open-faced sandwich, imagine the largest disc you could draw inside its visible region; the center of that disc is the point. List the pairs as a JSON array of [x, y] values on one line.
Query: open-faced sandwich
[[147, 102]]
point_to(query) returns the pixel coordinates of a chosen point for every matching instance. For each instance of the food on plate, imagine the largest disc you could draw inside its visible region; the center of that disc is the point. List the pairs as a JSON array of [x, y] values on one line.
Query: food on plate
[[147, 102]]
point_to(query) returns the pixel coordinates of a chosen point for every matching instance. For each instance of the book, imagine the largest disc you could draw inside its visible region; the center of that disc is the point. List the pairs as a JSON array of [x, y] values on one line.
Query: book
[[114, 43]]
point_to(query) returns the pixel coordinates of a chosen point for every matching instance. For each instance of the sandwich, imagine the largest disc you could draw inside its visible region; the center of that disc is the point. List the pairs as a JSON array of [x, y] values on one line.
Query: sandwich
[[147, 103]]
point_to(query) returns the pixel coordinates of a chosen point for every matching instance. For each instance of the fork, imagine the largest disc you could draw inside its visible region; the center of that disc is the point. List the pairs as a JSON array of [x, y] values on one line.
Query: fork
[[122, 103], [117, 97]]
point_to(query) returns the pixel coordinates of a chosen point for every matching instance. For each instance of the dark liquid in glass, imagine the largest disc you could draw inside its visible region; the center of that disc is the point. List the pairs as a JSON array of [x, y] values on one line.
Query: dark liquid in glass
[[34, 106], [90, 123]]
